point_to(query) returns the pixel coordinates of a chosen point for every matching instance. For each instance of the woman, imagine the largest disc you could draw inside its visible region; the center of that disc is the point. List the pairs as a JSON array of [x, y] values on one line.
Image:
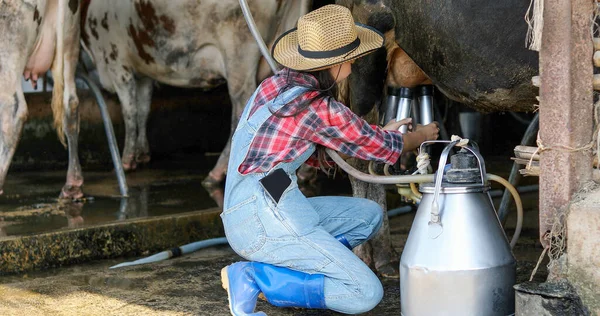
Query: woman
[[300, 248]]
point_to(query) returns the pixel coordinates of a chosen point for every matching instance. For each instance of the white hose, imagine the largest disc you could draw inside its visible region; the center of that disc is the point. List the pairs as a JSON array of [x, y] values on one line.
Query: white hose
[[257, 37], [430, 178], [420, 178], [518, 202]]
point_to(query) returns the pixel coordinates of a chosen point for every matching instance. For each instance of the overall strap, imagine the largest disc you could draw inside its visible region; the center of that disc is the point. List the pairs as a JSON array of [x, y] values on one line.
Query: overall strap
[[262, 114], [246, 112]]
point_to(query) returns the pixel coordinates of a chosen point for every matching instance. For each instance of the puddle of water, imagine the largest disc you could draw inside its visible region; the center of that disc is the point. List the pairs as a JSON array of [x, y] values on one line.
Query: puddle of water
[[36, 214]]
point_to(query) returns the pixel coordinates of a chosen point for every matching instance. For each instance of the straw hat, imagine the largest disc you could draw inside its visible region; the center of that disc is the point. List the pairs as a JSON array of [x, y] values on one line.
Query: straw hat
[[325, 37]]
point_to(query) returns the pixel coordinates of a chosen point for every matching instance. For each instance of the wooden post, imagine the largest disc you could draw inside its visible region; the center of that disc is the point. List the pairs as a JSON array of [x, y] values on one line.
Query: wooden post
[[566, 109]]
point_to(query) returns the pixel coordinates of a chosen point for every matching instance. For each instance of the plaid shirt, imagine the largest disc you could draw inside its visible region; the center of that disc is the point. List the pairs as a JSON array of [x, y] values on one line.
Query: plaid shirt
[[326, 122]]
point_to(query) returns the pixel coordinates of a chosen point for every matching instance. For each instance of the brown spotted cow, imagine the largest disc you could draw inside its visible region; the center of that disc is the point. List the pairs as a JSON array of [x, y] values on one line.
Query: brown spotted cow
[[35, 35], [182, 43]]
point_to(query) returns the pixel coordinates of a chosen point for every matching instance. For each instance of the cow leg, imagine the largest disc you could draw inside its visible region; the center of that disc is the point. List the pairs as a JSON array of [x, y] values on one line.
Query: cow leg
[[378, 251], [144, 98], [16, 40], [127, 90], [72, 188], [13, 112], [241, 82]]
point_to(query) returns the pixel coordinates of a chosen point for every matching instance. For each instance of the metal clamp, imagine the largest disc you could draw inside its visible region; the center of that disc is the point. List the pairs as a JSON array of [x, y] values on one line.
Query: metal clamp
[[435, 222]]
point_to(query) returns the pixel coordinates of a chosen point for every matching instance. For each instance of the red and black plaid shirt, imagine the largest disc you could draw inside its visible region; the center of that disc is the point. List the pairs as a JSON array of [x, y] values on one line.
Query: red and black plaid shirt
[[326, 122]]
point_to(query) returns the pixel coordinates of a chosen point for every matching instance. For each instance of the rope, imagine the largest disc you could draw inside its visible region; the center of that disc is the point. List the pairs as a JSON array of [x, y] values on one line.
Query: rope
[[535, 24], [594, 143], [423, 162], [538, 263], [462, 142]]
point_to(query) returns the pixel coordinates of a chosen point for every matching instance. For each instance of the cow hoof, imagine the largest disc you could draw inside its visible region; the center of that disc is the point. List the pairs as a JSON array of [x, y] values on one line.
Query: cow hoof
[[209, 183], [142, 158], [390, 270], [129, 166], [71, 193]]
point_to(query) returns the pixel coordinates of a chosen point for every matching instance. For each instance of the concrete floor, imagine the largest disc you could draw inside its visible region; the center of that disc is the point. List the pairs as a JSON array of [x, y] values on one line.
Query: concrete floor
[[189, 285]]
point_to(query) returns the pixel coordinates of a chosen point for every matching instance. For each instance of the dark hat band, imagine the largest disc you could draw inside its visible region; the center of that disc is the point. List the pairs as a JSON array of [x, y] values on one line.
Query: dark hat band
[[330, 53]]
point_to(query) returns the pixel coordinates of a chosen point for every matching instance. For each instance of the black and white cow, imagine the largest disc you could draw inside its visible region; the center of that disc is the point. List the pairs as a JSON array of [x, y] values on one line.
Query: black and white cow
[[181, 43], [35, 35]]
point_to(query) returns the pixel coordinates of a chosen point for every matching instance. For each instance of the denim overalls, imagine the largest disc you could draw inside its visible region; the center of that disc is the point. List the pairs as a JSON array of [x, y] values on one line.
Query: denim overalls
[[297, 233]]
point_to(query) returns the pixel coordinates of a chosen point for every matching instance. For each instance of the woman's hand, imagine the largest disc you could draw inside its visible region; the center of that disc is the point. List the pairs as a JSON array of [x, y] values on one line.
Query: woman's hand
[[421, 134], [394, 125], [431, 131]]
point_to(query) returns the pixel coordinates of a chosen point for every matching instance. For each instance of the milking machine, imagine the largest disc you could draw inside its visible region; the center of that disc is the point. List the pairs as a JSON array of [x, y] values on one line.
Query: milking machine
[[424, 115], [457, 259], [401, 103]]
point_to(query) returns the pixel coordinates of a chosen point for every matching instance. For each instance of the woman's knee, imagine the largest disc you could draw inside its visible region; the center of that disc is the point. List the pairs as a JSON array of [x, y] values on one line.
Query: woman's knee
[[366, 296], [372, 294], [373, 213]]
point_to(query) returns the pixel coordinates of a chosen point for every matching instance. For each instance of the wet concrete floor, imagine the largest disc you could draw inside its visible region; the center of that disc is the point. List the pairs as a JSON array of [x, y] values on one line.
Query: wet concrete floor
[[30, 205], [189, 285]]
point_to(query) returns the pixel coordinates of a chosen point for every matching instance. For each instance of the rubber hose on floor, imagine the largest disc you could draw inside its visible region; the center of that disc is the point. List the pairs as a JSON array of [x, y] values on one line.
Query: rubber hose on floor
[[175, 252]]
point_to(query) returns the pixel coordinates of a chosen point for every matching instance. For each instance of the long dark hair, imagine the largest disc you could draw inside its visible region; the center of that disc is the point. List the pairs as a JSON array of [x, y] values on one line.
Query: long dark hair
[[327, 89]]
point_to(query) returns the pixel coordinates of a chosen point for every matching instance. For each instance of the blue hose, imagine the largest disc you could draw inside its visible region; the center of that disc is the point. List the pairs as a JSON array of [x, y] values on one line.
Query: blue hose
[[175, 252], [400, 210]]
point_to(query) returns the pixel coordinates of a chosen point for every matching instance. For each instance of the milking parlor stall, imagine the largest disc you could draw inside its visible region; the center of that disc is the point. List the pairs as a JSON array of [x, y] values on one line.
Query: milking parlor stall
[[116, 118]]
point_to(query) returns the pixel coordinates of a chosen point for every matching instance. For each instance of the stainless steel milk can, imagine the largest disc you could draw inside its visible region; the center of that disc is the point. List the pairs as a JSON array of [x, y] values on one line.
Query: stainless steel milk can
[[457, 259]]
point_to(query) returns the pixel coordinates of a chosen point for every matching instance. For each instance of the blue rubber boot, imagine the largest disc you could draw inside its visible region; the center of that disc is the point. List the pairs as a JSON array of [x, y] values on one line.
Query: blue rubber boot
[[344, 241], [281, 287], [242, 290], [284, 287]]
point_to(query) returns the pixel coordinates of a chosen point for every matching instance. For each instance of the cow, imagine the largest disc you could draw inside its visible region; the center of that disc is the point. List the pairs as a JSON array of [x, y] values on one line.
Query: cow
[[184, 43], [34, 36], [473, 52]]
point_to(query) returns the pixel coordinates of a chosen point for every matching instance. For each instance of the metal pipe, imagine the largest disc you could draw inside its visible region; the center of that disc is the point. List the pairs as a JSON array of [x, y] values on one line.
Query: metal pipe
[[259, 40], [519, 119], [522, 189], [514, 177], [110, 133]]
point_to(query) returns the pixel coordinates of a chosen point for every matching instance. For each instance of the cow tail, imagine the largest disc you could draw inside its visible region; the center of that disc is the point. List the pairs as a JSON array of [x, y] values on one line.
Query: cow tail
[[58, 109]]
